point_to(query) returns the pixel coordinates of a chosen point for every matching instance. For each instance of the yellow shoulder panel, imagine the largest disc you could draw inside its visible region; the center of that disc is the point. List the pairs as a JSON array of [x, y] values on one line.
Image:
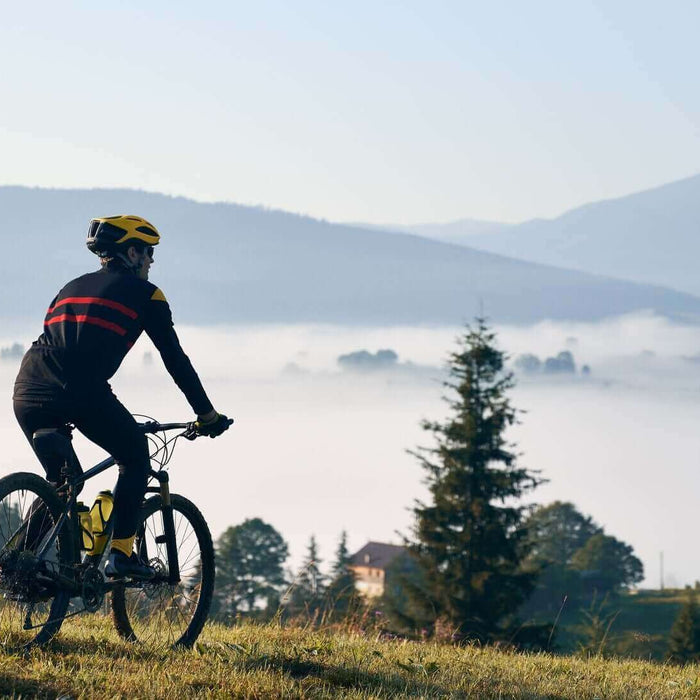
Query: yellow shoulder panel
[[158, 296]]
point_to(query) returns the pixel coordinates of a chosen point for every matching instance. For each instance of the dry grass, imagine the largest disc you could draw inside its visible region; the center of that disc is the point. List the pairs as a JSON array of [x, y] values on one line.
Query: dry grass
[[269, 661]]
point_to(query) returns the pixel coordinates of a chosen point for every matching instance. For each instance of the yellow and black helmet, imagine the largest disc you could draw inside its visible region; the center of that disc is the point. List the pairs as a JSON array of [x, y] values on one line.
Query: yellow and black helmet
[[110, 234]]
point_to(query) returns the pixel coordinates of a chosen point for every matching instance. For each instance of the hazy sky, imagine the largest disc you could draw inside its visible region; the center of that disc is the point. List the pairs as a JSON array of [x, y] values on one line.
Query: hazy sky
[[377, 111]]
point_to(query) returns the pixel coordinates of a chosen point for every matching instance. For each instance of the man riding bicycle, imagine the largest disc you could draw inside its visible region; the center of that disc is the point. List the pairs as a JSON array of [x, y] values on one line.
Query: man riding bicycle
[[64, 378]]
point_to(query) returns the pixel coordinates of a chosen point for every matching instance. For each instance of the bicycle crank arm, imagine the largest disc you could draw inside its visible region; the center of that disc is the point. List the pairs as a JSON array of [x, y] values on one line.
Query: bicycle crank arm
[[113, 583], [60, 581]]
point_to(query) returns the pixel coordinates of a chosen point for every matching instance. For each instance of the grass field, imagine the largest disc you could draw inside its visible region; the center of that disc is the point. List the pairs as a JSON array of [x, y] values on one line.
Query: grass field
[[87, 660]]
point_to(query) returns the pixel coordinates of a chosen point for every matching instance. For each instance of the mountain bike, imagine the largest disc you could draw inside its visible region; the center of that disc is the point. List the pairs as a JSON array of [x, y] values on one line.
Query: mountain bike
[[46, 579]]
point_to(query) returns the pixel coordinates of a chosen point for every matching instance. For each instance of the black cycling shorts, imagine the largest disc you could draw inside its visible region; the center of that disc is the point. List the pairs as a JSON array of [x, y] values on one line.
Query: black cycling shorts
[[102, 418]]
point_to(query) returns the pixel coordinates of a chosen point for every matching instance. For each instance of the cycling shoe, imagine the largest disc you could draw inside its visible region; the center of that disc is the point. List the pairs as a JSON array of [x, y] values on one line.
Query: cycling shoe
[[121, 566]]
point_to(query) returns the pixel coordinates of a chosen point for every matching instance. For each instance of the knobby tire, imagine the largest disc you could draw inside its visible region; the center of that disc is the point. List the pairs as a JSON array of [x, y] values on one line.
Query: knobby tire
[[135, 616], [25, 492]]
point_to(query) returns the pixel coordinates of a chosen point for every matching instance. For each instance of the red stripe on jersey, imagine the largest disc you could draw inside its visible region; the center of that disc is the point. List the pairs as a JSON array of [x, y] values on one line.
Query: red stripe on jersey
[[96, 300], [84, 318]]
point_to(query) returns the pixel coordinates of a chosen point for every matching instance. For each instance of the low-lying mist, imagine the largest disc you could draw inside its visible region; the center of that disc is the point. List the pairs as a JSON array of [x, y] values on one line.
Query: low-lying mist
[[317, 448]]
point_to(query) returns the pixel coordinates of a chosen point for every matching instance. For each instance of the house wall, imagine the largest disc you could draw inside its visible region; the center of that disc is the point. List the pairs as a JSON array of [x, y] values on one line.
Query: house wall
[[369, 581]]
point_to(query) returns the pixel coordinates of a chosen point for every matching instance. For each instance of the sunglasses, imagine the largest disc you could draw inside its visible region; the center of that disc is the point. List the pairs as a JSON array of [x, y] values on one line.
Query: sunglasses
[[149, 251]]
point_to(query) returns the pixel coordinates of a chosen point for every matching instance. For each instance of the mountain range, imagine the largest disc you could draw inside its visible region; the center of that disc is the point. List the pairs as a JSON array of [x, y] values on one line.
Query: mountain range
[[228, 263], [651, 236]]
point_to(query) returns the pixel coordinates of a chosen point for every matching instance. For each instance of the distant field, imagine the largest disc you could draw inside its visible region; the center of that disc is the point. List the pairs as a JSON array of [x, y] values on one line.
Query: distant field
[[88, 661], [641, 625]]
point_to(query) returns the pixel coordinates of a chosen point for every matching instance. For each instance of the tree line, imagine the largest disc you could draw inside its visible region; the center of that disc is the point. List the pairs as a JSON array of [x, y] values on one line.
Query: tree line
[[251, 579], [479, 563]]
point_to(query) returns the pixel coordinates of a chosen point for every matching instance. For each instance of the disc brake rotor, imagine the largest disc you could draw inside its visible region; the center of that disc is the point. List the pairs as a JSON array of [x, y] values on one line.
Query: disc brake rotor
[[151, 588]]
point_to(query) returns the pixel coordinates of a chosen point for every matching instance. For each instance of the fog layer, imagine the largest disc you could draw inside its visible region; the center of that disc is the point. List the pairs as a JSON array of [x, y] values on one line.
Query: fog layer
[[316, 449]]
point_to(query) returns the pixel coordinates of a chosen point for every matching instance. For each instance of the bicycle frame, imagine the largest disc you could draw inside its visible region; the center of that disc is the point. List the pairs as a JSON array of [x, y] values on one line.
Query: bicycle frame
[[70, 487]]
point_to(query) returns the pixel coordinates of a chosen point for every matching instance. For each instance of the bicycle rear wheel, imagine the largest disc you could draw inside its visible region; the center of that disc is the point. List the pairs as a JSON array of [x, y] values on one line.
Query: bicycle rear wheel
[[156, 612], [32, 603]]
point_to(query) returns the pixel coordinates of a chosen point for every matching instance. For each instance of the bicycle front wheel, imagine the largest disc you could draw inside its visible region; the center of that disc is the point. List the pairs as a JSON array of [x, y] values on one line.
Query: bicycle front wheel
[[157, 612], [32, 600]]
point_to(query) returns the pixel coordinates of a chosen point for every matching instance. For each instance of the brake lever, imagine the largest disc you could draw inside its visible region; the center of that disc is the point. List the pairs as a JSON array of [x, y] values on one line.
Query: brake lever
[[191, 432]]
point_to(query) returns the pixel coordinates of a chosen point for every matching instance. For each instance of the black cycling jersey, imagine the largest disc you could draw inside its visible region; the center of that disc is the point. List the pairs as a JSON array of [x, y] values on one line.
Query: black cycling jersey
[[89, 328]]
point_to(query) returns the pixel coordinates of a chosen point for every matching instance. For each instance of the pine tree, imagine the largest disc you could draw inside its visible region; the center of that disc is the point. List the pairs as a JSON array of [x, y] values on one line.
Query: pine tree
[[342, 557], [469, 541], [684, 639], [309, 584], [341, 593]]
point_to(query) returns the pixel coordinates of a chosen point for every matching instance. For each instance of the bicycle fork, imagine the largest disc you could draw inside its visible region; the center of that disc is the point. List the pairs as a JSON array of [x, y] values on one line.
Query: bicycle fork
[[168, 528]]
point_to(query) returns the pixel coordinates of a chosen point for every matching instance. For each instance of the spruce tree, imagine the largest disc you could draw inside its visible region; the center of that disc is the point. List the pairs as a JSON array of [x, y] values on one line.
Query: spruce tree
[[341, 592], [468, 541], [684, 639], [309, 584], [311, 575]]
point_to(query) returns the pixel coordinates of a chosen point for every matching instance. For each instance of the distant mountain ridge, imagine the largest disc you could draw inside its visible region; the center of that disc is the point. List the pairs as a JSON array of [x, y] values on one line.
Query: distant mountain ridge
[[457, 232], [651, 236], [227, 263]]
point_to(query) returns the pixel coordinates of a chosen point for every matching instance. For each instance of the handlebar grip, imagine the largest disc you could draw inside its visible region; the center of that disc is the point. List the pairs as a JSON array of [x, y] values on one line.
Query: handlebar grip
[[192, 433]]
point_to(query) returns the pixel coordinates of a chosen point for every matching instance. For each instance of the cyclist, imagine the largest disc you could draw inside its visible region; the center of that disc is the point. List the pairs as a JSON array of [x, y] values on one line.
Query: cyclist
[[64, 377]]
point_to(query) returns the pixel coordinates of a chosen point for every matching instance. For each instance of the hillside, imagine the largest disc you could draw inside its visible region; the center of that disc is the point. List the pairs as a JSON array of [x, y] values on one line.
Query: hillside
[[227, 263], [87, 661], [650, 236], [640, 626]]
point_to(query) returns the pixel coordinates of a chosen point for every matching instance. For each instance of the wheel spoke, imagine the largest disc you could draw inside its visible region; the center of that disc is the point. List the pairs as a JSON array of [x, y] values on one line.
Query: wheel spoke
[[29, 509], [158, 612]]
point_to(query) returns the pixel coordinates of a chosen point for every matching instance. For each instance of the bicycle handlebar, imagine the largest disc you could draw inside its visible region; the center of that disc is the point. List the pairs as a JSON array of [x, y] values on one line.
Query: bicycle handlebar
[[190, 428], [155, 427]]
